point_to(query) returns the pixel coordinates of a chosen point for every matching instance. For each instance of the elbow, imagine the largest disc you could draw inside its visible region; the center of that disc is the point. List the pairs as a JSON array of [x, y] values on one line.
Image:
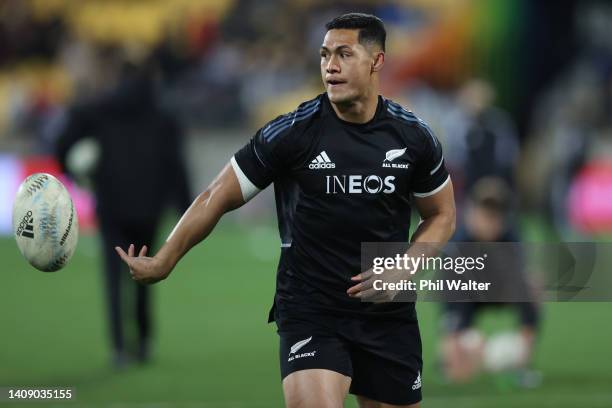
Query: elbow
[[217, 199], [204, 198]]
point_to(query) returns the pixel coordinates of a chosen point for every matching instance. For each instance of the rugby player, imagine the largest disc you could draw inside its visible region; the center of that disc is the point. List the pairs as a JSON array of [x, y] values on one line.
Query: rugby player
[[347, 167], [489, 218]]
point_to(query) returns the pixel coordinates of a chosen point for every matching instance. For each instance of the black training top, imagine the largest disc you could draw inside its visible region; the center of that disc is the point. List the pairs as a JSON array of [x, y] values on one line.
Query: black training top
[[338, 184]]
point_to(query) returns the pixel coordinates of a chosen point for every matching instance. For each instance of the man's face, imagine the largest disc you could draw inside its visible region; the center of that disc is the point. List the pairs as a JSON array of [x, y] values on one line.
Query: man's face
[[346, 66], [484, 224]]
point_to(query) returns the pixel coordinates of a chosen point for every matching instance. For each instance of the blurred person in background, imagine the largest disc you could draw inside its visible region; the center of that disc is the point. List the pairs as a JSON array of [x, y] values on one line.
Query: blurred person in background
[[569, 146], [575, 136], [490, 139], [463, 347], [138, 171]]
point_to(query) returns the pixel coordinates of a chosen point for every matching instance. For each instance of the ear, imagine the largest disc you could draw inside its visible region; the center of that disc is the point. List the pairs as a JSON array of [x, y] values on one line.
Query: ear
[[379, 61]]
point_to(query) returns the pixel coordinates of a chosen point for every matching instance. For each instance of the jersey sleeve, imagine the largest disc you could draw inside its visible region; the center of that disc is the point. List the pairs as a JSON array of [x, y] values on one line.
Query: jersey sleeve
[[430, 175], [259, 163]]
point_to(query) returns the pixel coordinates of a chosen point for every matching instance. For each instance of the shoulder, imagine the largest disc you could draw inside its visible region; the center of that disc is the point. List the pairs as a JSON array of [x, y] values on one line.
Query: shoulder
[[406, 119], [291, 122]]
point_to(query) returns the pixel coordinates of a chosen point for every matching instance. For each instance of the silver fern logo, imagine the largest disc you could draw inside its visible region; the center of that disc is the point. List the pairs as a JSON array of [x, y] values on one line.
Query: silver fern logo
[[297, 346], [293, 352], [392, 155]]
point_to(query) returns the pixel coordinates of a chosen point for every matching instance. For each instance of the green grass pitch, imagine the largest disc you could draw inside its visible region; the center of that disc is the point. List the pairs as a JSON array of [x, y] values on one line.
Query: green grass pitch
[[214, 348]]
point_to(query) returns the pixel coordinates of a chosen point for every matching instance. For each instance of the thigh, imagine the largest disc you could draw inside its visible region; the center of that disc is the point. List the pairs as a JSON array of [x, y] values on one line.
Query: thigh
[[315, 363], [387, 363], [315, 388]]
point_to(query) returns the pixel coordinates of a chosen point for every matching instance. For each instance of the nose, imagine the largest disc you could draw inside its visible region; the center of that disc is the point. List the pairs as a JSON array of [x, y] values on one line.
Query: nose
[[332, 65]]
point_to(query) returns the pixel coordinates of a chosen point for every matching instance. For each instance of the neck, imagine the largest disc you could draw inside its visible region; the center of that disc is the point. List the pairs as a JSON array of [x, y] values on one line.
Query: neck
[[358, 111]]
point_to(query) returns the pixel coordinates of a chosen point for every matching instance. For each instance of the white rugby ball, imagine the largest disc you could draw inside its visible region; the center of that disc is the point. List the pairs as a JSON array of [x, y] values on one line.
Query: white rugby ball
[[505, 351], [45, 222]]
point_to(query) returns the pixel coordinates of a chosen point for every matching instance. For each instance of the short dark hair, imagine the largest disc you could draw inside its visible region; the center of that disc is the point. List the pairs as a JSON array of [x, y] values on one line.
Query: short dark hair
[[371, 28]]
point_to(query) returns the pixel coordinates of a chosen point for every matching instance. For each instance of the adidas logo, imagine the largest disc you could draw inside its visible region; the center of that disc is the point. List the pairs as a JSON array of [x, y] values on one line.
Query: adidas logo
[[322, 161], [417, 382], [26, 226]]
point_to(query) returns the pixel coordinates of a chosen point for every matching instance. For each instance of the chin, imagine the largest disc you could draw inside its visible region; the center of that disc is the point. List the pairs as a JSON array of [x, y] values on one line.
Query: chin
[[340, 97]]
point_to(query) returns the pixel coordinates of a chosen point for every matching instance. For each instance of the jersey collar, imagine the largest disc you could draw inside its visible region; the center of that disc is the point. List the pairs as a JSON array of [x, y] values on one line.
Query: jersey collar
[[328, 109]]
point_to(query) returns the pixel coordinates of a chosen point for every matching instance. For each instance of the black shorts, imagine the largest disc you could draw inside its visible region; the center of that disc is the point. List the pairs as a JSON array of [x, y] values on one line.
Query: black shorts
[[382, 356]]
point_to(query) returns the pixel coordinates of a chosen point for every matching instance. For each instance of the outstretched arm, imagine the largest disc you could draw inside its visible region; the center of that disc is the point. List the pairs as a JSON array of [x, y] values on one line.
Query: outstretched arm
[[223, 195]]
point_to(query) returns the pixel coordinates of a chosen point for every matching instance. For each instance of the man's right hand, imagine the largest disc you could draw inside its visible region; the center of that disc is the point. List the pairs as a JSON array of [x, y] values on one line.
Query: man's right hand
[[144, 269]]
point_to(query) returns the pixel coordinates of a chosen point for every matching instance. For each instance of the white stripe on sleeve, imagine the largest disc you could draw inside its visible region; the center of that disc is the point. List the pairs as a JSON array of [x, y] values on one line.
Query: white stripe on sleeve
[[434, 191], [437, 167], [248, 189]]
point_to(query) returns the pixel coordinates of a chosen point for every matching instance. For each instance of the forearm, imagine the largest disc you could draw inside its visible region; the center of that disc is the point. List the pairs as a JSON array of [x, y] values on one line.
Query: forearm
[[199, 220], [432, 234], [438, 228]]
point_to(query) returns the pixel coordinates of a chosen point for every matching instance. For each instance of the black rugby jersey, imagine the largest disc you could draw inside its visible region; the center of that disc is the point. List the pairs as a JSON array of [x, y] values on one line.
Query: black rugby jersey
[[338, 184]]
